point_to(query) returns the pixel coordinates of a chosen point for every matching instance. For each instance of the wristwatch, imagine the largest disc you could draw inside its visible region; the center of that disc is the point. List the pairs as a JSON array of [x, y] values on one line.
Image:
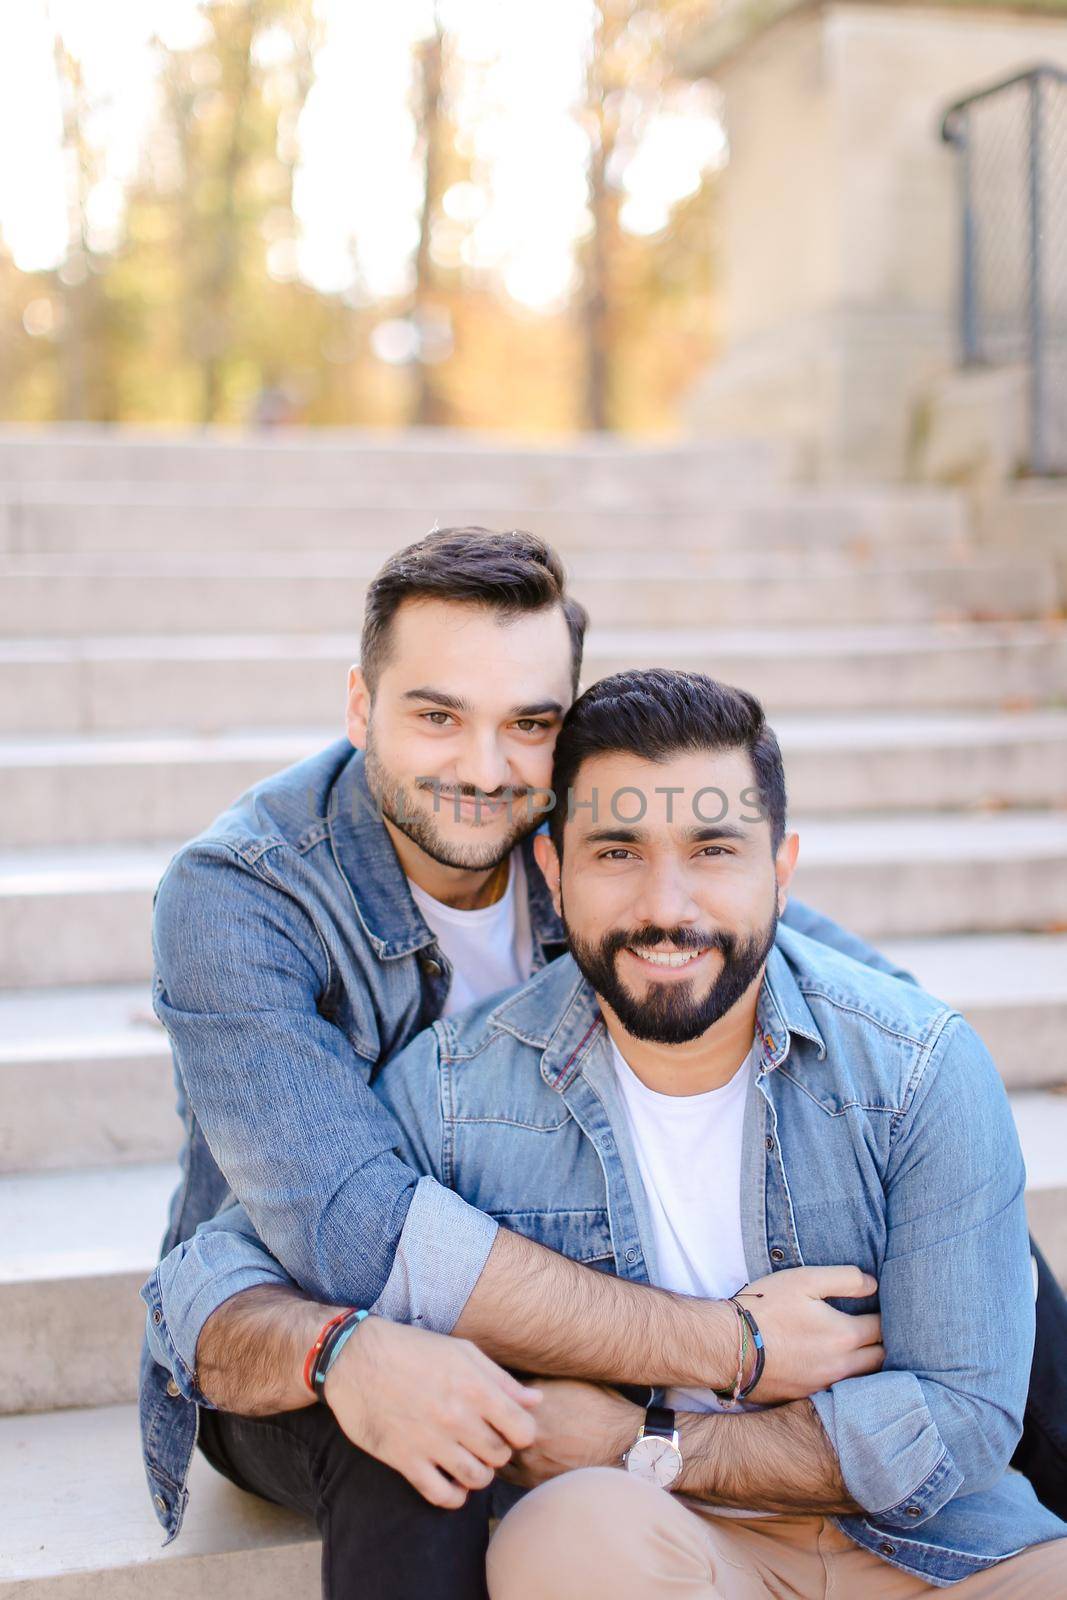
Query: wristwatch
[[655, 1455]]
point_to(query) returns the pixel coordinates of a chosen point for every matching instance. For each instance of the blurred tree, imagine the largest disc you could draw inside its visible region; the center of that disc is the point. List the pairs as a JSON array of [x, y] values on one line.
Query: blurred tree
[[229, 107], [190, 306], [428, 309], [630, 67]]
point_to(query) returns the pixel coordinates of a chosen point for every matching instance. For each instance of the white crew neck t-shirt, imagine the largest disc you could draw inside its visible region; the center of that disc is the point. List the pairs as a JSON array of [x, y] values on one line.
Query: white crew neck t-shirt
[[488, 949], [688, 1150]]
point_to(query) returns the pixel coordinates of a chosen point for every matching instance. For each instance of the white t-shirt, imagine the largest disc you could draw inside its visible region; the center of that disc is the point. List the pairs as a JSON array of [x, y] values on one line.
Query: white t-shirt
[[489, 949], [688, 1150]]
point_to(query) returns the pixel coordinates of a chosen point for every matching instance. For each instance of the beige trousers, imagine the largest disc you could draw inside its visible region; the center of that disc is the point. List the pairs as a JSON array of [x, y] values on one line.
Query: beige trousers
[[600, 1534]]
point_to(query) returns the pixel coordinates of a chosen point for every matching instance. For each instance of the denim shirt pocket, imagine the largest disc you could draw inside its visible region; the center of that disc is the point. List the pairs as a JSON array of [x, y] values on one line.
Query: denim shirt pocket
[[583, 1235]]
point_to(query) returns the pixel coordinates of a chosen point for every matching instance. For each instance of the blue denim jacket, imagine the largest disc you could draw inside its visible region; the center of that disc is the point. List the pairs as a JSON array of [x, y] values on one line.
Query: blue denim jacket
[[290, 962], [877, 1131]]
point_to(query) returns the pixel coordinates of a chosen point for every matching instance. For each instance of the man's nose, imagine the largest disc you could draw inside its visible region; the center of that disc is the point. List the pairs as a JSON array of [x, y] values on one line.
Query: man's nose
[[483, 764], [665, 899]]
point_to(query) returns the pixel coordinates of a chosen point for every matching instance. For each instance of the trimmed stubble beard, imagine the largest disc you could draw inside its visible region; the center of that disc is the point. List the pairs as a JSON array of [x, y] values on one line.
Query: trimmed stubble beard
[[417, 822]]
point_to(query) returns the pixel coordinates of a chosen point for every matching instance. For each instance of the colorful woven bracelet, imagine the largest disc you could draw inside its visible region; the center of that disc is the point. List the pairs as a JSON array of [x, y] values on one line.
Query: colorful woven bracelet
[[730, 1396]]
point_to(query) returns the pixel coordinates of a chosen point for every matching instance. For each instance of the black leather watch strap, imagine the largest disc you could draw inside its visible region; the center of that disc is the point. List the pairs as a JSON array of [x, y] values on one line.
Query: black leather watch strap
[[660, 1421]]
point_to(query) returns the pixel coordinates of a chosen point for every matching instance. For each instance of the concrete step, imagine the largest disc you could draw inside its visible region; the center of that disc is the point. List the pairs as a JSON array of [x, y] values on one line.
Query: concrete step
[[101, 790], [98, 790], [85, 1072], [141, 517], [205, 683], [46, 595], [926, 874], [79, 1524], [77, 916], [75, 1246], [82, 915], [85, 1078], [363, 460]]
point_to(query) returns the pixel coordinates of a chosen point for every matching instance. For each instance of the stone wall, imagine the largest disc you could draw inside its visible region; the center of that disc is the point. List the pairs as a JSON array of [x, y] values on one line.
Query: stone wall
[[839, 231]]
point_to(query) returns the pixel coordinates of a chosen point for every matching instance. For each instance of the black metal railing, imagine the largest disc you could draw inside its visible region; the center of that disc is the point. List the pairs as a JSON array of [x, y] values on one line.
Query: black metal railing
[[1011, 141]]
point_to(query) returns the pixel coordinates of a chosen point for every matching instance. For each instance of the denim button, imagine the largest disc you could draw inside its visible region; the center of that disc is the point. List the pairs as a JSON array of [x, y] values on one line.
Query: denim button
[[777, 1254], [769, 1142], [888, 1549], [157, 1318], [172, 1389], [159, 1502], [913, 1511], [432, 968], [631, 1255]]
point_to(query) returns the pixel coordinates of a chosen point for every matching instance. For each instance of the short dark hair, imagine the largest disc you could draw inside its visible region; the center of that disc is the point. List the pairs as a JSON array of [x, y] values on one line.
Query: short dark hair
[[656, 712], [511, 572]]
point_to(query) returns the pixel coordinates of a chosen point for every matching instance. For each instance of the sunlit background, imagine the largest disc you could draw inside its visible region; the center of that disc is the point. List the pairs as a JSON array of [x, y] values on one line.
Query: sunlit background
[[328, 211]]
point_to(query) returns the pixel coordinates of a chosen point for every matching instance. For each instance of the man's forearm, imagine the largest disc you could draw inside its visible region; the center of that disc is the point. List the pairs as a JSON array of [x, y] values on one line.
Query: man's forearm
[[531, 1310], [535, 1311], [774, 1460], [250, 1354]]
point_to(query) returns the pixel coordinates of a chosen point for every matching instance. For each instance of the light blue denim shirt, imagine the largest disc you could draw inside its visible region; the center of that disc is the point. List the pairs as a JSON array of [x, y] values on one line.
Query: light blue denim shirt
[[291, 961], [877, 1132]]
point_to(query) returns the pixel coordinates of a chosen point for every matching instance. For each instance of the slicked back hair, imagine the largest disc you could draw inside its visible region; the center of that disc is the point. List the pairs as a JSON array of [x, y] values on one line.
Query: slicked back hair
[[511, 573], [656, 713]]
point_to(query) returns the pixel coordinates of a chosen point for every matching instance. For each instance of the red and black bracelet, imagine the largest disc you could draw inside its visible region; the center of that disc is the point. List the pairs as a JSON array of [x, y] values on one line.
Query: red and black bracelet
[[316, 1349]]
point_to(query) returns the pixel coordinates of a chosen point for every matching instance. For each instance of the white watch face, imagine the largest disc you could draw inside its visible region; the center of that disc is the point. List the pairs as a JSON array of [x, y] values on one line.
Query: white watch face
[[656, 1460]]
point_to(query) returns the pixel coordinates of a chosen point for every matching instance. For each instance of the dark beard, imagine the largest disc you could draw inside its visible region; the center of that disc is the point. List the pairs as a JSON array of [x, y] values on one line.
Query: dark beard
[[670, 1014], [399, 807]]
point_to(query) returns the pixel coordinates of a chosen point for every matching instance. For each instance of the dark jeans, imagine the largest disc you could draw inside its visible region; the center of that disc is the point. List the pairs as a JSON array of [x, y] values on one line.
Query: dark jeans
[[380, 1539], [1042, 1452]]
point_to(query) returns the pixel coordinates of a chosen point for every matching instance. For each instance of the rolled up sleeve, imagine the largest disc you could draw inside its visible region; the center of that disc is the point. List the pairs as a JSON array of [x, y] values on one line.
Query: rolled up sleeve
[[943, 1416], [436, 1261], [443, 1247], [285, 1104], [223, 1258]]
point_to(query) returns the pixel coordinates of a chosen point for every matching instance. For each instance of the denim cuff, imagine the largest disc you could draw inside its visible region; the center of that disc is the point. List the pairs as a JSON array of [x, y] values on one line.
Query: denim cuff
[[443, 1247], [188, 1286], [893, 1459]]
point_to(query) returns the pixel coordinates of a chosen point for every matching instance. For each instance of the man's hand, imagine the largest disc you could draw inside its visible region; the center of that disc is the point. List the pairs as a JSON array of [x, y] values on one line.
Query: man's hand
[[808, 1344], [578, 1425], [434, 1408]]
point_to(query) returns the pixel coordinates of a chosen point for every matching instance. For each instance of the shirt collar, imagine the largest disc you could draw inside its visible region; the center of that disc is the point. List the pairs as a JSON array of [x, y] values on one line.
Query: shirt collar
[[781, 1009], [561, 993]]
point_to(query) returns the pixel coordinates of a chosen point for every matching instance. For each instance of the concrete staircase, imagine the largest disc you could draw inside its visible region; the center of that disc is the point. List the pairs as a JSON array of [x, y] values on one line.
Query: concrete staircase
[[177, 618]]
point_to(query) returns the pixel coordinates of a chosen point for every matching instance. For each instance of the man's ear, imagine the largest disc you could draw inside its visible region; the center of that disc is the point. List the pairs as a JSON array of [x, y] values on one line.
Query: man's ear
[[357, 708], [784, 866], [547, 858]]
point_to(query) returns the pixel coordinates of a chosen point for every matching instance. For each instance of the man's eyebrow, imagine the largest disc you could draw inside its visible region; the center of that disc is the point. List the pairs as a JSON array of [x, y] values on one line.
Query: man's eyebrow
[[452, 702], [541, 708], [613, 835], [717, 830], [701, 834], [447, 702]]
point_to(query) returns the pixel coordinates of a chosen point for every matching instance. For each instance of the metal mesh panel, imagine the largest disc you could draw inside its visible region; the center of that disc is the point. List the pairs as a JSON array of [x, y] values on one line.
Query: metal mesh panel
[[1012, 144]]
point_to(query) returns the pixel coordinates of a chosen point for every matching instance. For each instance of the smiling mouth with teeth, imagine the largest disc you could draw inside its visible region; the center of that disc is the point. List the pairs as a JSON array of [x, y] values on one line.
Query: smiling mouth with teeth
[[668, 958]]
